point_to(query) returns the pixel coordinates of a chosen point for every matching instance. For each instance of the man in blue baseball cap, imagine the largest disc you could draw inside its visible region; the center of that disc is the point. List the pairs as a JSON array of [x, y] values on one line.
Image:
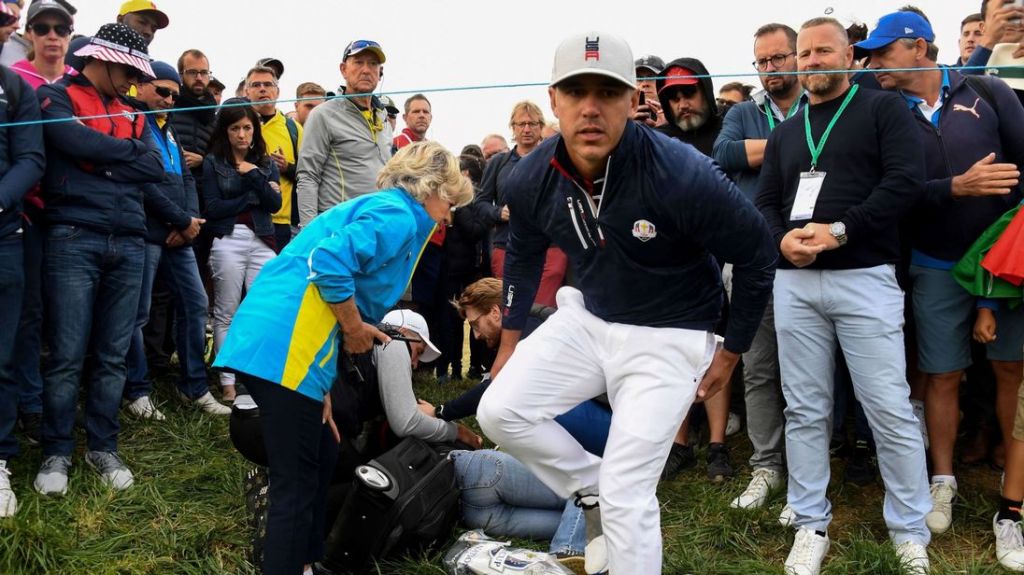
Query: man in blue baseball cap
[[902, 25], [971, 128]]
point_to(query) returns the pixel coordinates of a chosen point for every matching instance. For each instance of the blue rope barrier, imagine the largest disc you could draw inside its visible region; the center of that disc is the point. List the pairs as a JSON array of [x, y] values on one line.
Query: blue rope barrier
[[484, 87]]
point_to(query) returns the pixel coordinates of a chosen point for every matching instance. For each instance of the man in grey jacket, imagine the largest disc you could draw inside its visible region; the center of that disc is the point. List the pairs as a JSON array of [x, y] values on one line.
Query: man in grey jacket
[[347, 140], [739, 149]]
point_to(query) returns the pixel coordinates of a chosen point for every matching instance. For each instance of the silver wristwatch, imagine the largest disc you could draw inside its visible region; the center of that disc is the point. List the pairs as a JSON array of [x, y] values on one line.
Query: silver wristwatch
[[838, 231]]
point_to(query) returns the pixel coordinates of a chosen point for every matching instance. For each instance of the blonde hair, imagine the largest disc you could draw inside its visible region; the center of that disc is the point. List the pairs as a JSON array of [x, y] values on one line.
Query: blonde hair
[[426, 168], [533, 110]]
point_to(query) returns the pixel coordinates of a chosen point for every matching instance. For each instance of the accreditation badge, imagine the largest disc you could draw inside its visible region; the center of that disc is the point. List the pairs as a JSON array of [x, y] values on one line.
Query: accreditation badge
[[806, 195]]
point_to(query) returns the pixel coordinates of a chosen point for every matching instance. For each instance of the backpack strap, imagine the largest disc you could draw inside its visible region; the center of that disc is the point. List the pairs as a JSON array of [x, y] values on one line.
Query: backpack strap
[[293, 133]]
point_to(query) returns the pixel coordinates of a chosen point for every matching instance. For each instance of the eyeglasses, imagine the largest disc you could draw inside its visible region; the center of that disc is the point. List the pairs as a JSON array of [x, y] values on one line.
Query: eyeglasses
[[777, 61], [42, 29], [200, 73], [259, 85], [473, 322], [522, 125], [166, 93]]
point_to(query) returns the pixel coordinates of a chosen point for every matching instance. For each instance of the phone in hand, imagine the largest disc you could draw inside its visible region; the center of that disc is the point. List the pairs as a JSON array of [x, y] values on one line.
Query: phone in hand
[[1014, 4], [643, 108]]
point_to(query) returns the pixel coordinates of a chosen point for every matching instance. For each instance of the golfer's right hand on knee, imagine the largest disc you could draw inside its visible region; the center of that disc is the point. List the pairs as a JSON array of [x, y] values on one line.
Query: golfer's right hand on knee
[[360, 338]]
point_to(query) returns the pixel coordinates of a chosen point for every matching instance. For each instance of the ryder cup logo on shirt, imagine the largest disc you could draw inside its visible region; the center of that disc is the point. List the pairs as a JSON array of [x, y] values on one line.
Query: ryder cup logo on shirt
[[644, 230]]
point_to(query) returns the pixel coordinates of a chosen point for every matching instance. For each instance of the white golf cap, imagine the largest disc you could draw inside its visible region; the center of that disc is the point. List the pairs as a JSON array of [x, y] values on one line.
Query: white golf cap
[[1002, 55], [415, 322], [594, 53]]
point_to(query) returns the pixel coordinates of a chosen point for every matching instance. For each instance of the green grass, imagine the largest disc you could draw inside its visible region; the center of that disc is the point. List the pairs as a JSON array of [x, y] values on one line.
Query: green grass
[[185, 515]]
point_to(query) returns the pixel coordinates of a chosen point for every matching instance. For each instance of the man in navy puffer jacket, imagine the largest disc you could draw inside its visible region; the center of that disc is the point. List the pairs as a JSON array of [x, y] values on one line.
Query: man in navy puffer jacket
[[173, 223]]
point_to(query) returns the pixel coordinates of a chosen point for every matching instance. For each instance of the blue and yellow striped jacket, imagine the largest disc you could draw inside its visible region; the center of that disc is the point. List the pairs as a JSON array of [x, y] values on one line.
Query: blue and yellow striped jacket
[[284, 331]]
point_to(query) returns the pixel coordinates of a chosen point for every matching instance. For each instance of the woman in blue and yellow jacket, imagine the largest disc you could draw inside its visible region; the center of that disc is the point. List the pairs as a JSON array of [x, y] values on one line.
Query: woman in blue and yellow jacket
[[323, 295]]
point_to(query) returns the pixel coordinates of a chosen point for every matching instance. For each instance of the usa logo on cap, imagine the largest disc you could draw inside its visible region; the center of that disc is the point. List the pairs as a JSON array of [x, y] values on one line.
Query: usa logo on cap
[[592, 49]]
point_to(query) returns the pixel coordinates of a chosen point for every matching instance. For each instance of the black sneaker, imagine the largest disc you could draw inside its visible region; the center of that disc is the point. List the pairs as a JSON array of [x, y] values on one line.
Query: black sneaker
[[680, 458], [32, 426], [719, 466], [861, 468], [256, 485], [837, 448]]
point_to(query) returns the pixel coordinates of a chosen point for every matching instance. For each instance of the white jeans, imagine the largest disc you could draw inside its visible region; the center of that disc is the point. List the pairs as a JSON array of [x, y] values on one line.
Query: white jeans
[[651, 377], [235, 260]]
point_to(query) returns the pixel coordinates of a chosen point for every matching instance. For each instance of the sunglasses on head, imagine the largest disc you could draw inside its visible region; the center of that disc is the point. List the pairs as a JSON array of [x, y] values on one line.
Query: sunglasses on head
[[359, 45], [166, 93], [686, 91], [42, 29]]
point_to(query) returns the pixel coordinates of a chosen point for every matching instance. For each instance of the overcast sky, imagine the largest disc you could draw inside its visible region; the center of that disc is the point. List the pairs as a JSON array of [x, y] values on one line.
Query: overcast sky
[[444, 44]]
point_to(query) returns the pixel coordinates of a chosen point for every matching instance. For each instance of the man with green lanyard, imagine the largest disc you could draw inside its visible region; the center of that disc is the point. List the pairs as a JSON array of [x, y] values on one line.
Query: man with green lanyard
[[739, 149], [347, 140], [835, 182]]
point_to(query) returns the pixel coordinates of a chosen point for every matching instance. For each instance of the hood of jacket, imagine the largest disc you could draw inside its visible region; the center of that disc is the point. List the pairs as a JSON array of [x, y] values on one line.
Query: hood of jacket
[[707, 88], [703, 137]]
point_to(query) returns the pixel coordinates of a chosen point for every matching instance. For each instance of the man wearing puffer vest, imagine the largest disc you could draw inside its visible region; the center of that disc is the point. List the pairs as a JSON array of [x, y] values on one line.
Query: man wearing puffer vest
[[100, 156]]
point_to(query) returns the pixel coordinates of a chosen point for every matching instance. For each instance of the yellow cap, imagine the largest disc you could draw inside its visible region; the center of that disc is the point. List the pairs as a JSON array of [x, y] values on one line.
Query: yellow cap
[[145, 6]]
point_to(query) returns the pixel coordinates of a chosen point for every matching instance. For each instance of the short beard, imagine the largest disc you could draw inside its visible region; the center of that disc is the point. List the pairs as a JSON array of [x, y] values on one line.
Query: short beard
[[692, 123], [787, 84], [821, 84]]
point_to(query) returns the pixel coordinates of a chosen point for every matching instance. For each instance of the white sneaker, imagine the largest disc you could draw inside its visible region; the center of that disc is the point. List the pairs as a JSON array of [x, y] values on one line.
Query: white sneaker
[[913, 558], [1009, 544], [918, 406], [8, 502], [209, 404], [762, 482], [733, 424], [143, 408], [113, 472], [941, 516], [787, 517], [52, 478], [595, 556], [808, 550]]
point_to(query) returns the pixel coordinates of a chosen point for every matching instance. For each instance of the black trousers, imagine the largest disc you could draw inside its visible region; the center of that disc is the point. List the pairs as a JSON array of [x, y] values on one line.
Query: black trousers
[[302, 453]]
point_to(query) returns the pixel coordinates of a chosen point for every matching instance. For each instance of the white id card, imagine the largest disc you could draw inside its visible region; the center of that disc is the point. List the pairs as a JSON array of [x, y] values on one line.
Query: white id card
[[806, 195]]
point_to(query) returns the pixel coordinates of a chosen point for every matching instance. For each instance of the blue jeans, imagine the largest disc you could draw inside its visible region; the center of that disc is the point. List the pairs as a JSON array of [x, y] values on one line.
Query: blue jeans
[[863, 309], [180, 272], [28, 347], [92, 285], [12, 281], [500, 496]]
